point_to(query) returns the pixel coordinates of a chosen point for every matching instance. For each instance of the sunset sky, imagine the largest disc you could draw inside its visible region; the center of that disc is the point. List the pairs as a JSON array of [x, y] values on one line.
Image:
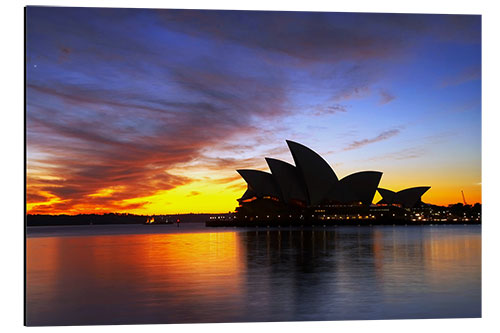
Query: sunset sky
[[152, 111]]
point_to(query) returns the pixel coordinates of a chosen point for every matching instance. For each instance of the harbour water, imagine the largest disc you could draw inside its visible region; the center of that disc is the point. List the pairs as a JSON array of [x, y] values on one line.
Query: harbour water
[[137, 274]]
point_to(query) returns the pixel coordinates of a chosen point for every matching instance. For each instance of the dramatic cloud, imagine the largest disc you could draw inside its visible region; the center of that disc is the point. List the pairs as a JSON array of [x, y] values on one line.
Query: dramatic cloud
[[382, 136], [226, 180], [466, 75], [106, 127], [402, 154], [239, 187], [330, 109], [386, 97], [321, 36], [122, 104]]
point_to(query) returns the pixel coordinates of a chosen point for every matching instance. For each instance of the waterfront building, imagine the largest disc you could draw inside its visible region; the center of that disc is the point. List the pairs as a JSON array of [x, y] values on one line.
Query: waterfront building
[[310, 189]]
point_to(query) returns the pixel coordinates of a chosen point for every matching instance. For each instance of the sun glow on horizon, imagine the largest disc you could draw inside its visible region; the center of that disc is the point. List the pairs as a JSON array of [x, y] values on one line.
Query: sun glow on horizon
[[203, 196], [167, 134]]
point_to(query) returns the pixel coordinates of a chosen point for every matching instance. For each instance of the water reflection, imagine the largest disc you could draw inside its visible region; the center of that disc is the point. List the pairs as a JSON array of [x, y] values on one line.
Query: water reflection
[[275, 275], [132, 278]]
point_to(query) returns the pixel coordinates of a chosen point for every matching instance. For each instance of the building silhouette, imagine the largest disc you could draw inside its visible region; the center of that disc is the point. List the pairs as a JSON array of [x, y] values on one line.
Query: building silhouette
[[311, 186]]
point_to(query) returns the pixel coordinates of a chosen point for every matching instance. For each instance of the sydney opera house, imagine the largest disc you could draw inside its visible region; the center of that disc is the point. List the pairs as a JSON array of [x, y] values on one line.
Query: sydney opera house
[[310, 189]]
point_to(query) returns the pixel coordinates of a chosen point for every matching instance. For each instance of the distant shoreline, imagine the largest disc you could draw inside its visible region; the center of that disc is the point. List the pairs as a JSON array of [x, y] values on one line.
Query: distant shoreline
[[115, 229], [193, 227], [325, 223], [109, 219]]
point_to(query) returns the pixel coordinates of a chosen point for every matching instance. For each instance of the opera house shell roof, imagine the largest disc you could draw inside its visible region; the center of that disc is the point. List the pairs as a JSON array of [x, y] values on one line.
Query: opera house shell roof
[[407, 198], [311, 181]]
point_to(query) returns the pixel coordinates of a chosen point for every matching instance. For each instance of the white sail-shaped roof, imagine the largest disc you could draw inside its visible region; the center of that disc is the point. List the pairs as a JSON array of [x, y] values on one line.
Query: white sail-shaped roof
[[247, 195], [387, 195], [357, 187], [288, 179], [408, 197], [313, 181], [260, 183], [318, 176]]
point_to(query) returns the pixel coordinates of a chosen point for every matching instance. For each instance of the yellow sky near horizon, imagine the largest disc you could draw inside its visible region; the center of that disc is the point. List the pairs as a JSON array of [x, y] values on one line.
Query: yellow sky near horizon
[[205, 196]]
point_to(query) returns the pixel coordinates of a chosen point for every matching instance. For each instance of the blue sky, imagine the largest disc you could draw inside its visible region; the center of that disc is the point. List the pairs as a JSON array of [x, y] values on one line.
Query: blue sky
[[137, 103]]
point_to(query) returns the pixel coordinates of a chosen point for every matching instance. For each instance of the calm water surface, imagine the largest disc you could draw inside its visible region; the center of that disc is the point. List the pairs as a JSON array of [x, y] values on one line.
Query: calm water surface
[[160, 274]]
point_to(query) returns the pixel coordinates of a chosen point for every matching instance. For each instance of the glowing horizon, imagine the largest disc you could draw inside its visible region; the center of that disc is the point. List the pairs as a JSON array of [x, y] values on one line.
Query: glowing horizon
[[152, 111]]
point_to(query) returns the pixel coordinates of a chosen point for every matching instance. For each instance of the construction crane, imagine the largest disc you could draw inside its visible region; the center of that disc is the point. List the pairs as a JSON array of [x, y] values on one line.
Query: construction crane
[[463, 197]]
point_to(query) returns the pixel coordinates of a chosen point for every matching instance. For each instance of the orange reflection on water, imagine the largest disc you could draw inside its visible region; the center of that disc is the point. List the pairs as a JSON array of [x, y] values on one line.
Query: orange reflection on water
[[156, 275], [443, 259], [214, 260], [457, 248], [443, 252], [378, 253]]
